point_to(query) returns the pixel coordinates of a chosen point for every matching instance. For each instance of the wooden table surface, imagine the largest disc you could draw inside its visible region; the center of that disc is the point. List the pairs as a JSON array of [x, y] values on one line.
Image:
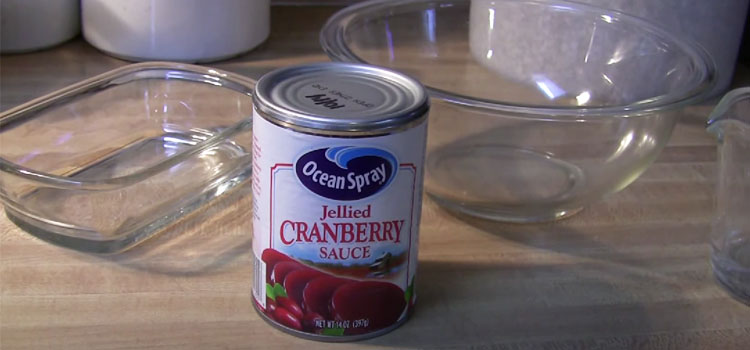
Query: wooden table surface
[[631, 271]]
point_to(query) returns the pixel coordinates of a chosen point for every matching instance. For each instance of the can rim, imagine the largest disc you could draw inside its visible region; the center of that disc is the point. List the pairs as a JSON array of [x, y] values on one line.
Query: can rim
[[308, 122]]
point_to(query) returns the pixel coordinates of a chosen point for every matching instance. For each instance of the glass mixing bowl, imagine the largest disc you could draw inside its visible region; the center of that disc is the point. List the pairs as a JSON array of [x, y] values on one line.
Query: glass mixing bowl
[[538, 107]]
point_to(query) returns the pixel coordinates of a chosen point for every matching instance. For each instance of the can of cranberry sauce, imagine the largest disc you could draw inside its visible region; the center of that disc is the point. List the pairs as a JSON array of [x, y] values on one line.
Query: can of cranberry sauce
[[338, 153]]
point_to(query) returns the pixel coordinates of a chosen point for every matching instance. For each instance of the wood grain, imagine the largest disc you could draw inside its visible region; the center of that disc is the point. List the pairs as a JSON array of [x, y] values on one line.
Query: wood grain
[[628, 272]]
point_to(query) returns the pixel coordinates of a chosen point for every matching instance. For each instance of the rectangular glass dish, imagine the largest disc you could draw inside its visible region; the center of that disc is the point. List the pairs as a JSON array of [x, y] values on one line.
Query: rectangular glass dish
[[104, 164]]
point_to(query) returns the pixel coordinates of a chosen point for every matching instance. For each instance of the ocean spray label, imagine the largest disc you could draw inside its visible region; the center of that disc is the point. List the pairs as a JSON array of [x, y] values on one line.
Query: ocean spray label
[[335, 219], [346, 172]]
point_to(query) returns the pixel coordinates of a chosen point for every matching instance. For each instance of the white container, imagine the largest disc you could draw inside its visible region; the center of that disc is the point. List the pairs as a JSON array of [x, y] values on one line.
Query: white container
[[175, 30], [716, 25], [28, 25]]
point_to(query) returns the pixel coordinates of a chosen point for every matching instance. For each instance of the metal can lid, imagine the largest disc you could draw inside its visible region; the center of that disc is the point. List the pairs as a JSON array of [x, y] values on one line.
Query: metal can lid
[[340, 97]]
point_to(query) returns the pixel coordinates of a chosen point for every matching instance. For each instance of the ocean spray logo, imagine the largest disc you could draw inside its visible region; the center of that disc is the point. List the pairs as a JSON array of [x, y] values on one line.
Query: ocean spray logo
[[347, 172]]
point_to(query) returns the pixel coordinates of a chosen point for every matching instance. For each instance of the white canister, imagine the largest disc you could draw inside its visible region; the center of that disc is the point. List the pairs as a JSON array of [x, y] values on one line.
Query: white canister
[[28, 25], [715, 25], [175, 30]]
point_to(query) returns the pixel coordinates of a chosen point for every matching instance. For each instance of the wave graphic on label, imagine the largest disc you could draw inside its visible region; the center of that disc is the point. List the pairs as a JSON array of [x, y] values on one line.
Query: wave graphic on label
[[346, 173]]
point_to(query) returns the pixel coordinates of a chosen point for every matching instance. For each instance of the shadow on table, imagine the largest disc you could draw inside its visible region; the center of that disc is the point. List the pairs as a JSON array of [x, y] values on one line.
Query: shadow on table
[[201, 243], [519, 306], [566, 291]]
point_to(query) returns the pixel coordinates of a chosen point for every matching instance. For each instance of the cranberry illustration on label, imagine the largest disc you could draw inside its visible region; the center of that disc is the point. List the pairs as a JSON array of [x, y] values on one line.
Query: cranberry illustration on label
[[318, 293], [290, 305], [271, 257], [287, 318], [311, 320], [312, 300], [296, 281], [283, 268], [380, 303]]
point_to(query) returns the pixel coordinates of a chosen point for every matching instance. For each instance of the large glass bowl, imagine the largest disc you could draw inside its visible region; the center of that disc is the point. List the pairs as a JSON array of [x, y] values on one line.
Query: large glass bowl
[[539, 107]]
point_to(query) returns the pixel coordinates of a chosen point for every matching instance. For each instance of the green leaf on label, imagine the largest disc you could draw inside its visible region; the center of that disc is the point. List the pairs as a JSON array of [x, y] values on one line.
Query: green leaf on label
[[279, 291], [269, 292], [338, 331], [409, 291]]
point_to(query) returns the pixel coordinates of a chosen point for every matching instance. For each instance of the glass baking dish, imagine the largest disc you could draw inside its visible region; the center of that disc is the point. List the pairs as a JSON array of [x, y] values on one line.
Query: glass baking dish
[[104, 164]]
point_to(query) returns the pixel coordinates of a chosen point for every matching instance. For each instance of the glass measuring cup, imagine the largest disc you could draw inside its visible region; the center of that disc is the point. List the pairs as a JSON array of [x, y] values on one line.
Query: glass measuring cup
[[730, 236]]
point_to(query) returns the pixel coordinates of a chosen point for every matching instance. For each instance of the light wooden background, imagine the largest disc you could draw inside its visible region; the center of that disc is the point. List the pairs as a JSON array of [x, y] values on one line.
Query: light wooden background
[[631, 271]]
